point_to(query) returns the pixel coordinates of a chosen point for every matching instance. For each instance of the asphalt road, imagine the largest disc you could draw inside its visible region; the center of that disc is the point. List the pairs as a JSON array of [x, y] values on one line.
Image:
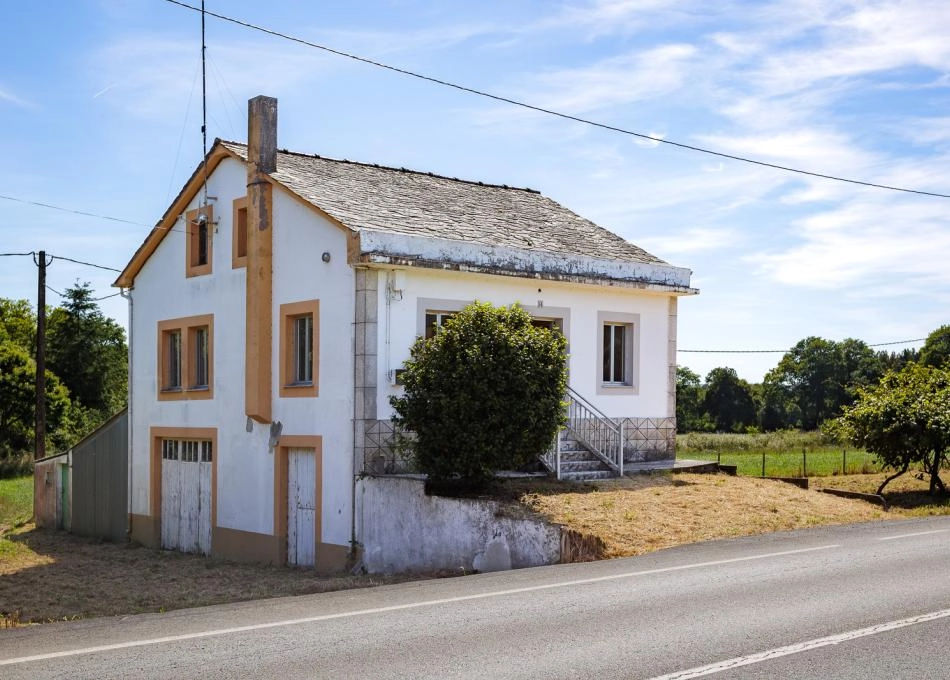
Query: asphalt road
[[868, 601]]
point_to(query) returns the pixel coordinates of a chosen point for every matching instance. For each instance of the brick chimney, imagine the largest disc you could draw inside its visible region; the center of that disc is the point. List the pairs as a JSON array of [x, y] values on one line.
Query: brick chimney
[[258, 346]]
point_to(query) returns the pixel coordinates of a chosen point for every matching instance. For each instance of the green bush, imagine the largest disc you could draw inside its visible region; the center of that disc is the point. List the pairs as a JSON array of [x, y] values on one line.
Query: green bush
[[484, 394]]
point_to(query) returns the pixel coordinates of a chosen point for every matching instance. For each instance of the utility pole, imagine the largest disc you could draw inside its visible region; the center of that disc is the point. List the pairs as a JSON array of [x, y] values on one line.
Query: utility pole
[[40, 432]]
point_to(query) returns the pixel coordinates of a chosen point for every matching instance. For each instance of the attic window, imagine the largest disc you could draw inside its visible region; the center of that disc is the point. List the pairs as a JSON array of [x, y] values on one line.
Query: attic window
[[239, 233], [198, 241]]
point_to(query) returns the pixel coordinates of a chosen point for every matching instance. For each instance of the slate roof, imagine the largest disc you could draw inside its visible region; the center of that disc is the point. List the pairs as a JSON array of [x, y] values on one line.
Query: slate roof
[[396, 200]]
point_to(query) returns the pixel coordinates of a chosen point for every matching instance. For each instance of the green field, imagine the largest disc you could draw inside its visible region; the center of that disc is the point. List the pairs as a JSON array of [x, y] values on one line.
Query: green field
[[777, 454], [16, 501]]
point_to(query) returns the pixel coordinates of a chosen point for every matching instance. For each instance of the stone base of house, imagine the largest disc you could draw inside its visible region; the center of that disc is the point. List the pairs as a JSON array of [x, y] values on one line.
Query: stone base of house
[[649, 439], [401, 529]]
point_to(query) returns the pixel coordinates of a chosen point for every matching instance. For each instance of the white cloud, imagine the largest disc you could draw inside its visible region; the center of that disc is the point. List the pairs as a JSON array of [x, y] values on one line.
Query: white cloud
[[898, 246], [621, 79], [10, 98], [691, 241]]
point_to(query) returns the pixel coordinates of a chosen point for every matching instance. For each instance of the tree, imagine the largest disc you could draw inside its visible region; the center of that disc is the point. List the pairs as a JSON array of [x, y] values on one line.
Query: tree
[[87, 351], [485, 393], [18, 323], [17, 402], [777, 409], [903, 420], [821, 376], [728, 400], [936, 349], [690, 415]]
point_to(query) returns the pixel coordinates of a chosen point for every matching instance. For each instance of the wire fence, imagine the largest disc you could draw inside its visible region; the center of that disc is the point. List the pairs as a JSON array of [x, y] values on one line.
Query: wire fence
[[804, 463]]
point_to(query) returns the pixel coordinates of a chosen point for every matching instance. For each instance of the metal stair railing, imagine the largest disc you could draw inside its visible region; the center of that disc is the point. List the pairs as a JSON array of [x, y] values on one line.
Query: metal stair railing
[[599, 433]]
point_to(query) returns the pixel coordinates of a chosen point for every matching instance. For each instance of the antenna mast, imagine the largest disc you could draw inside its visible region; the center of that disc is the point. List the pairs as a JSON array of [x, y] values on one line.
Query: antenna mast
[[204, 109]]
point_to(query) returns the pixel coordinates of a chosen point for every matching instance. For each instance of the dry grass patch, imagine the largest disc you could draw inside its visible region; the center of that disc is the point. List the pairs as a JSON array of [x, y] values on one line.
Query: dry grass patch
[[908, 495], [640, 515], [52, 576]]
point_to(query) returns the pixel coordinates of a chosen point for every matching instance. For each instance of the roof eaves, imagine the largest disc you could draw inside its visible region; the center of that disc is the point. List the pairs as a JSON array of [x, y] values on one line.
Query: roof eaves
[[219, 151], [377, 247]]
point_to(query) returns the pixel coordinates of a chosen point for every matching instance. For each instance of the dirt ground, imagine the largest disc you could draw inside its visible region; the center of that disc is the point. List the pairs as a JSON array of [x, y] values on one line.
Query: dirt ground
[[52, 576]]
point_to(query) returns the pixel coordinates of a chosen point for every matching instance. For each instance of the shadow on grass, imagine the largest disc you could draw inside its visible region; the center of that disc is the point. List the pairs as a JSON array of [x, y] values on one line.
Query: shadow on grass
[[938, 504], [513, 489]]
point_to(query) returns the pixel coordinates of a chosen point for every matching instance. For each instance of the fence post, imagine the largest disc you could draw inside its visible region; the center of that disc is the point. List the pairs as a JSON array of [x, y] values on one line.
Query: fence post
[[621, 448], [844, 461], [804, 462], [763, 463]]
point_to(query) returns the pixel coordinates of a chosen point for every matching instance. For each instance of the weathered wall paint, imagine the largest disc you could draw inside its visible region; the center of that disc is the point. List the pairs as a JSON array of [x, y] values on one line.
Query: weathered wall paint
[[401, 529]]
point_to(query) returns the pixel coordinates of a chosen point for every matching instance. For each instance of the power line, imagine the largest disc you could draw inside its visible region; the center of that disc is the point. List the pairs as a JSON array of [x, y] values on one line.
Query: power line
[[550, 112], [87, 264], [783, 351], [60, 257], [104, 297], [70, 210]]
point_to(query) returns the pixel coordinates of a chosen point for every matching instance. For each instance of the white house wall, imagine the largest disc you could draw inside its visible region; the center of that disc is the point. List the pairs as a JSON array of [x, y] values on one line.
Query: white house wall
[[244, 455], [398, 328], [303, 275]]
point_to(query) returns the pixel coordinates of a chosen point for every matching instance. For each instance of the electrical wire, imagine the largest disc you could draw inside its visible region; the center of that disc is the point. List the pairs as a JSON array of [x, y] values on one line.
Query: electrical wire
[[783, 351], [87, 264], [550, 112], [70, 210]]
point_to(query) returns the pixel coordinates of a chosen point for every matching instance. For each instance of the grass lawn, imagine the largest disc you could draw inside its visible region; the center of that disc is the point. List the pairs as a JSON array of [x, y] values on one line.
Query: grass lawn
[[16, 502], [777, 454]]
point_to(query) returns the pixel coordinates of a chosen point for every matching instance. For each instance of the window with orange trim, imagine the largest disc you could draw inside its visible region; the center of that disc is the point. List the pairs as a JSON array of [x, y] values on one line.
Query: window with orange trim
[[299, 349], [239, 233], [198, 241], [186, 358]]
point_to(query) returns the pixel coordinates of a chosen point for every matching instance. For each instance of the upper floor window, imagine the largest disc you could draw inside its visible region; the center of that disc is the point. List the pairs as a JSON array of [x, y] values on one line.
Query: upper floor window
[[239, 233], [303, 349], [186, 358], [200, 367], [299, 349], [198, 241], [171, 354]]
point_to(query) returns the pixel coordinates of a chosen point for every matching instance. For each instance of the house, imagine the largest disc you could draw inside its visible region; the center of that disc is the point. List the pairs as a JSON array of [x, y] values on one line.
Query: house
[[273, 304]]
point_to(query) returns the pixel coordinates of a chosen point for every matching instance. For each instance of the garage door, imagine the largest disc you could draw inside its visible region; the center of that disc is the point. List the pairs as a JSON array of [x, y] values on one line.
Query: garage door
[[186, 495]]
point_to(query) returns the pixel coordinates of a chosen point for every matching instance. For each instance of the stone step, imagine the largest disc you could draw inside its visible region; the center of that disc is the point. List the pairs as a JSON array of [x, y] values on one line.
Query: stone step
[[578, 454], [588, 476], [583, 466]]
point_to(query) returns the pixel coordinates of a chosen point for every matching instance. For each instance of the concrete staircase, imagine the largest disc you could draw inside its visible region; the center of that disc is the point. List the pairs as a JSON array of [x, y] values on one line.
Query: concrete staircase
[[579, 464]]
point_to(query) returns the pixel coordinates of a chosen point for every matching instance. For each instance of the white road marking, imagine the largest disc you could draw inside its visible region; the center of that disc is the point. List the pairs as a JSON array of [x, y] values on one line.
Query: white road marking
[[919, 533], [797, 648], [398, 607]]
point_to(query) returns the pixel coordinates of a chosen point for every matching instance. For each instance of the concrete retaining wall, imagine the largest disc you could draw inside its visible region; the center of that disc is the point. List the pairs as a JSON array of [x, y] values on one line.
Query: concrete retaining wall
[[401, 529]]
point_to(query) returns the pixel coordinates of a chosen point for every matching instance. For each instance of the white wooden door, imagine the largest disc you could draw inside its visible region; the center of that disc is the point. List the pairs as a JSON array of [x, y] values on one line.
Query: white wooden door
[[186, 496], [301, 507]]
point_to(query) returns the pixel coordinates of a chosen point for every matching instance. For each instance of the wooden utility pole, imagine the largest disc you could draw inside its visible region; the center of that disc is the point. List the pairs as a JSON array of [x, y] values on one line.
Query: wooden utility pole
[[40, 432]]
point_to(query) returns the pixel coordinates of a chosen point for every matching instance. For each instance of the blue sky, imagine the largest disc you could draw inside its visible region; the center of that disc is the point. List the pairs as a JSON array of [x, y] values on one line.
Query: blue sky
[[101, 110]]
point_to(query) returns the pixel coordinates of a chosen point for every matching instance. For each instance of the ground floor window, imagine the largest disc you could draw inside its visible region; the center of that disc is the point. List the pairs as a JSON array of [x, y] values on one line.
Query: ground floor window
[[618, 353]]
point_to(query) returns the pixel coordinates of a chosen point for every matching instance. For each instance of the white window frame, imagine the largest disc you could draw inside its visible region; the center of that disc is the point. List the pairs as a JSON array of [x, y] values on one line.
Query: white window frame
[[631, 353]]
